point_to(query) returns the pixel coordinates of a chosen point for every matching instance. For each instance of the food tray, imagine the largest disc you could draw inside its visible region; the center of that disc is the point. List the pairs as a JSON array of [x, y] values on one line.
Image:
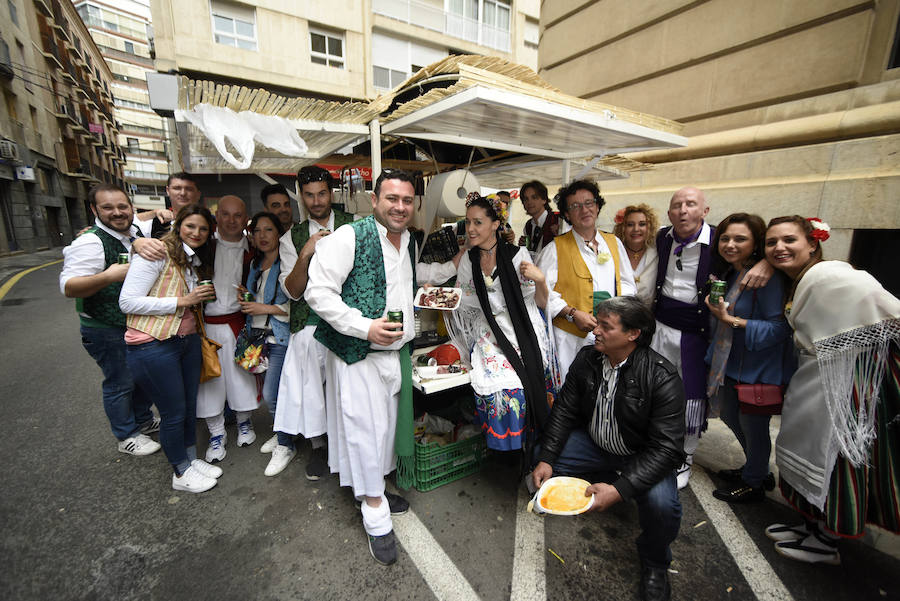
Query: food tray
[[436, 465], [422, 292], [565, 481], [429, 372]]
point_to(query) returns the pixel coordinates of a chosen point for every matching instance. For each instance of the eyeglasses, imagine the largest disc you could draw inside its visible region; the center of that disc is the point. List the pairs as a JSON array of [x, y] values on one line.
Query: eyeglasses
[[574, 206]]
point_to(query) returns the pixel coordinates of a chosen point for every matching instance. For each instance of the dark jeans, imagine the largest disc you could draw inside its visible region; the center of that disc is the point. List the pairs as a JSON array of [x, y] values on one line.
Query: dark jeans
[[169, 371], [751, 431], [126, 405], [270, 388], [659, 509]]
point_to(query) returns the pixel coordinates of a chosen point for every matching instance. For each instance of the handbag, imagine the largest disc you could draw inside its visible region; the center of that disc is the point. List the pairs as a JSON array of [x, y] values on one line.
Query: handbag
[[758, 399], [209, 349]]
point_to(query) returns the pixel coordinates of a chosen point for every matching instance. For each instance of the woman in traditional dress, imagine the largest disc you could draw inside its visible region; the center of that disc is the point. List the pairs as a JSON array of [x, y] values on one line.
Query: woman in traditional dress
[[499, 329], [837, 451], [750, 345], [636, 227], [269, 311], [158, 298]]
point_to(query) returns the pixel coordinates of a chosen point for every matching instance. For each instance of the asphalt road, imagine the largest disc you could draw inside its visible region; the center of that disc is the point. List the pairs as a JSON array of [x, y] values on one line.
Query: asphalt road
[[84, 522]]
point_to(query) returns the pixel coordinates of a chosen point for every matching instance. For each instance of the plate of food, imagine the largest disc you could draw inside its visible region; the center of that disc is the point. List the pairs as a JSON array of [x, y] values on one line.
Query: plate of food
[[442, 299], [562, 495], [436, 372]]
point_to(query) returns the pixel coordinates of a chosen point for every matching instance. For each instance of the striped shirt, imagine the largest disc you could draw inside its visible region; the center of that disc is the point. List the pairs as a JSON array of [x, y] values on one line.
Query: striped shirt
[[604, 429]]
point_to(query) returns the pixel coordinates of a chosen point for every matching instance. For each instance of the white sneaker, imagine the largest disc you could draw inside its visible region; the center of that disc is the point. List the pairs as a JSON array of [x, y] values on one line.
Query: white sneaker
[[216, 449], [210, 471], [139, 445], [281, 456], [782, 532], [269, 445], [192, 481], [817, 547], [246, 435], [684, 472]]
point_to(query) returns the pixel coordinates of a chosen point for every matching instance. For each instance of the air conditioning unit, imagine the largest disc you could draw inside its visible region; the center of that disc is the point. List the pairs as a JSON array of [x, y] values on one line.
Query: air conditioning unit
[[9, 150]]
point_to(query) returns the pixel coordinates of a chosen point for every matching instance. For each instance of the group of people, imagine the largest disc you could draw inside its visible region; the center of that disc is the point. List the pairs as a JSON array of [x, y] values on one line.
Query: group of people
[[589, 353]]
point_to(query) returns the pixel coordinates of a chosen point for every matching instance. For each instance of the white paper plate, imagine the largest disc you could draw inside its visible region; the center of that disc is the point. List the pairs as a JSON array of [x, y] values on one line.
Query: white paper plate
[[421, 291], [562, 481]]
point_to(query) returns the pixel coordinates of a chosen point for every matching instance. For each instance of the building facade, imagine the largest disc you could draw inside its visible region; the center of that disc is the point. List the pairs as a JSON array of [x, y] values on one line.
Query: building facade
[[790, 107], [120, 28], [59, 134]]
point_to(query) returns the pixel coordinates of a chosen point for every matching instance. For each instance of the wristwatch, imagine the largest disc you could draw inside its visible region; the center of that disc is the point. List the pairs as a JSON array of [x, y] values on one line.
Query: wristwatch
[[570, 316], [735, 324]]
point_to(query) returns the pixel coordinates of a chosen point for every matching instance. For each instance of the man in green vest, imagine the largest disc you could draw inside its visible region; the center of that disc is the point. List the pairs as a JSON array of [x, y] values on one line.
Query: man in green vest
[[92, 274], [360, 276], [583, 267], [301, 394]]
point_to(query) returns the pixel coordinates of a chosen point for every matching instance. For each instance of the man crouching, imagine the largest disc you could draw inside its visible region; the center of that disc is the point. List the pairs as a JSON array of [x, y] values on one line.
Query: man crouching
[[620, 414]]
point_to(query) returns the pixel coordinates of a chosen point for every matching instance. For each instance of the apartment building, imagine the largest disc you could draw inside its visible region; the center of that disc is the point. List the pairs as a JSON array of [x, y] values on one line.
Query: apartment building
[[790, 106], [59, 134], [120, 28]]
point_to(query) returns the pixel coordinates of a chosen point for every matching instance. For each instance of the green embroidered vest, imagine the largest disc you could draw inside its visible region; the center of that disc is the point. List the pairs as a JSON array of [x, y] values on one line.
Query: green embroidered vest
[[301, 314], [364, 289], [103, 306]]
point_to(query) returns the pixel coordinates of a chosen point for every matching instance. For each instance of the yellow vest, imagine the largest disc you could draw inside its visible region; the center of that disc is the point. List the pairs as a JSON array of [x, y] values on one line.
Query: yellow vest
[[168, 284], [574, 281]]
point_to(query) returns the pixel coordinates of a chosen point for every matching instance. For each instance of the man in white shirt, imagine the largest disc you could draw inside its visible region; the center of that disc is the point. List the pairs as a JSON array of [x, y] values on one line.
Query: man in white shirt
[[358, 275], [544, 224], [224, 321], [301, 392], [276, 201], [92, 274], [182, 190], [583, 267]]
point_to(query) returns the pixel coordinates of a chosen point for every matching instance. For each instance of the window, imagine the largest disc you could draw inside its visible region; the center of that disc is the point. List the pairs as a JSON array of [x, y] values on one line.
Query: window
[[894, 59], [129, 47], [388, 78], [13, 12], [326, 48], [234, 25]]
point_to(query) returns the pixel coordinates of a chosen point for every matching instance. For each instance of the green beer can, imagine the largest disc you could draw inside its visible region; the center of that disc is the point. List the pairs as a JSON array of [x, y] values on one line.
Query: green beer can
[[716, 292], [395, 316], [207, 283], [123, 259]]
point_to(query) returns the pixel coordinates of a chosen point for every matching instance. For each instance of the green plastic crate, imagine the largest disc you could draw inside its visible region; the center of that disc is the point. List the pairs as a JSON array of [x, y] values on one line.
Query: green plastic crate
[[436, 465]]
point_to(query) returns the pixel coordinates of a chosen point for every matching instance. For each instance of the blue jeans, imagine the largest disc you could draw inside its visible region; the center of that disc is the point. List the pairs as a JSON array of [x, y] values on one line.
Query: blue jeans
[[659, 509], [126, 405], [270, 388], [169, 371], [751, 431]]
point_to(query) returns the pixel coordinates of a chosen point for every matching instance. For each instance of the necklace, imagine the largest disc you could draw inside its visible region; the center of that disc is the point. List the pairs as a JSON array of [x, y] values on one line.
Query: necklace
[[634, 254], [488, 251]]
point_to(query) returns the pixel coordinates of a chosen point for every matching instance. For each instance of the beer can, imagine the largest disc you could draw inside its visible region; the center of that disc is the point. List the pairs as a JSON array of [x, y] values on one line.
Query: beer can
[[425, 360], [248, 297], [716, 291], [207, 283], [123, 258], [395, 315]]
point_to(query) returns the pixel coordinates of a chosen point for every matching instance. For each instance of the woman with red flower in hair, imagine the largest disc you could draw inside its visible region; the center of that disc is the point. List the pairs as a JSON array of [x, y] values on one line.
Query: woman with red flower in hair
[[837, 451]]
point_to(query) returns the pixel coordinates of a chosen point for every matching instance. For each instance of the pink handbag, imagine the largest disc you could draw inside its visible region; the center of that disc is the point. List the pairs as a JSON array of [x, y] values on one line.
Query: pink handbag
[[760, 399]]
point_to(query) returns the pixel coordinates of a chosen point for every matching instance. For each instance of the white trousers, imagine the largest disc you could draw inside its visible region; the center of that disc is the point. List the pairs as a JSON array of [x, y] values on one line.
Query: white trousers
[[301, 391], [362, 403], [235, 384], [567, 346]]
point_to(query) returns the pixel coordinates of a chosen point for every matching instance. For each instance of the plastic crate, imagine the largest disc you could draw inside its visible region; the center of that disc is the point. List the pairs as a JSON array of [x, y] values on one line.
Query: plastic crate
[[436, 465]]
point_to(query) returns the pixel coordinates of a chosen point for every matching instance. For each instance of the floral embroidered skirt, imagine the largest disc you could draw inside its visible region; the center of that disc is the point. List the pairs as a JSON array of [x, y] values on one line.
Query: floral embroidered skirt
[[503, 418]]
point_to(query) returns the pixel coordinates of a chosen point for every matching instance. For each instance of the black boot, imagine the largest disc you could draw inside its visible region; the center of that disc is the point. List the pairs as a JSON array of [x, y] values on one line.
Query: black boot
[[655, 584]]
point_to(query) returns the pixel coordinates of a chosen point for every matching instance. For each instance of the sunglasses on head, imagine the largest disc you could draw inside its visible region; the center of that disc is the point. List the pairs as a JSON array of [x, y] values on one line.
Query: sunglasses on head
[[305, 177]]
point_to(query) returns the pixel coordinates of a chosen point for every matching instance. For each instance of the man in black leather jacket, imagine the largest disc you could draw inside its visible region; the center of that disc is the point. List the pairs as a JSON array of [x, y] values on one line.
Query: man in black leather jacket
[[620, 415]]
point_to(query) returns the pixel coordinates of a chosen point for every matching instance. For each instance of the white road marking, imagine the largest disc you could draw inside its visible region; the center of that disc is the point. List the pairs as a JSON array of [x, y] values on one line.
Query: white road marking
[[763, 580], [529, 581], [437, 569]]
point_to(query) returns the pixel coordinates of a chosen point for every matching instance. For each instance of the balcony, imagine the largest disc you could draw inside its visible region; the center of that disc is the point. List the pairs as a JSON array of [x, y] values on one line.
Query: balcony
[[434, 18], [43, 8], [145, 175]]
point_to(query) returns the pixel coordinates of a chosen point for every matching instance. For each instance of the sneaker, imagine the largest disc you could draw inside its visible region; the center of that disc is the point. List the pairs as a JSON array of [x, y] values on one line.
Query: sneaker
[[784, 532], [216, 449], [397, 504], [683, 474], [246, 435], [269, 445], [208, 470], [192, 481], [383, 548], [281, 456], [817, 547], [150, 426], [741, 493], [139, 444], [317, 466]]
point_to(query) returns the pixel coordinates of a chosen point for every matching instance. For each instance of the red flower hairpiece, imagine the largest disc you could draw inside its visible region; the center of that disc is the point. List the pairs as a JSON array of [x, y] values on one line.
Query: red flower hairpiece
[[620, 216], [820, 229]]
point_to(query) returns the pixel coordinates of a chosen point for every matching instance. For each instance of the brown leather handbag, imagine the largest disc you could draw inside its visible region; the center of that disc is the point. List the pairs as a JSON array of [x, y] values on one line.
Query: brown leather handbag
[[208, 350]]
